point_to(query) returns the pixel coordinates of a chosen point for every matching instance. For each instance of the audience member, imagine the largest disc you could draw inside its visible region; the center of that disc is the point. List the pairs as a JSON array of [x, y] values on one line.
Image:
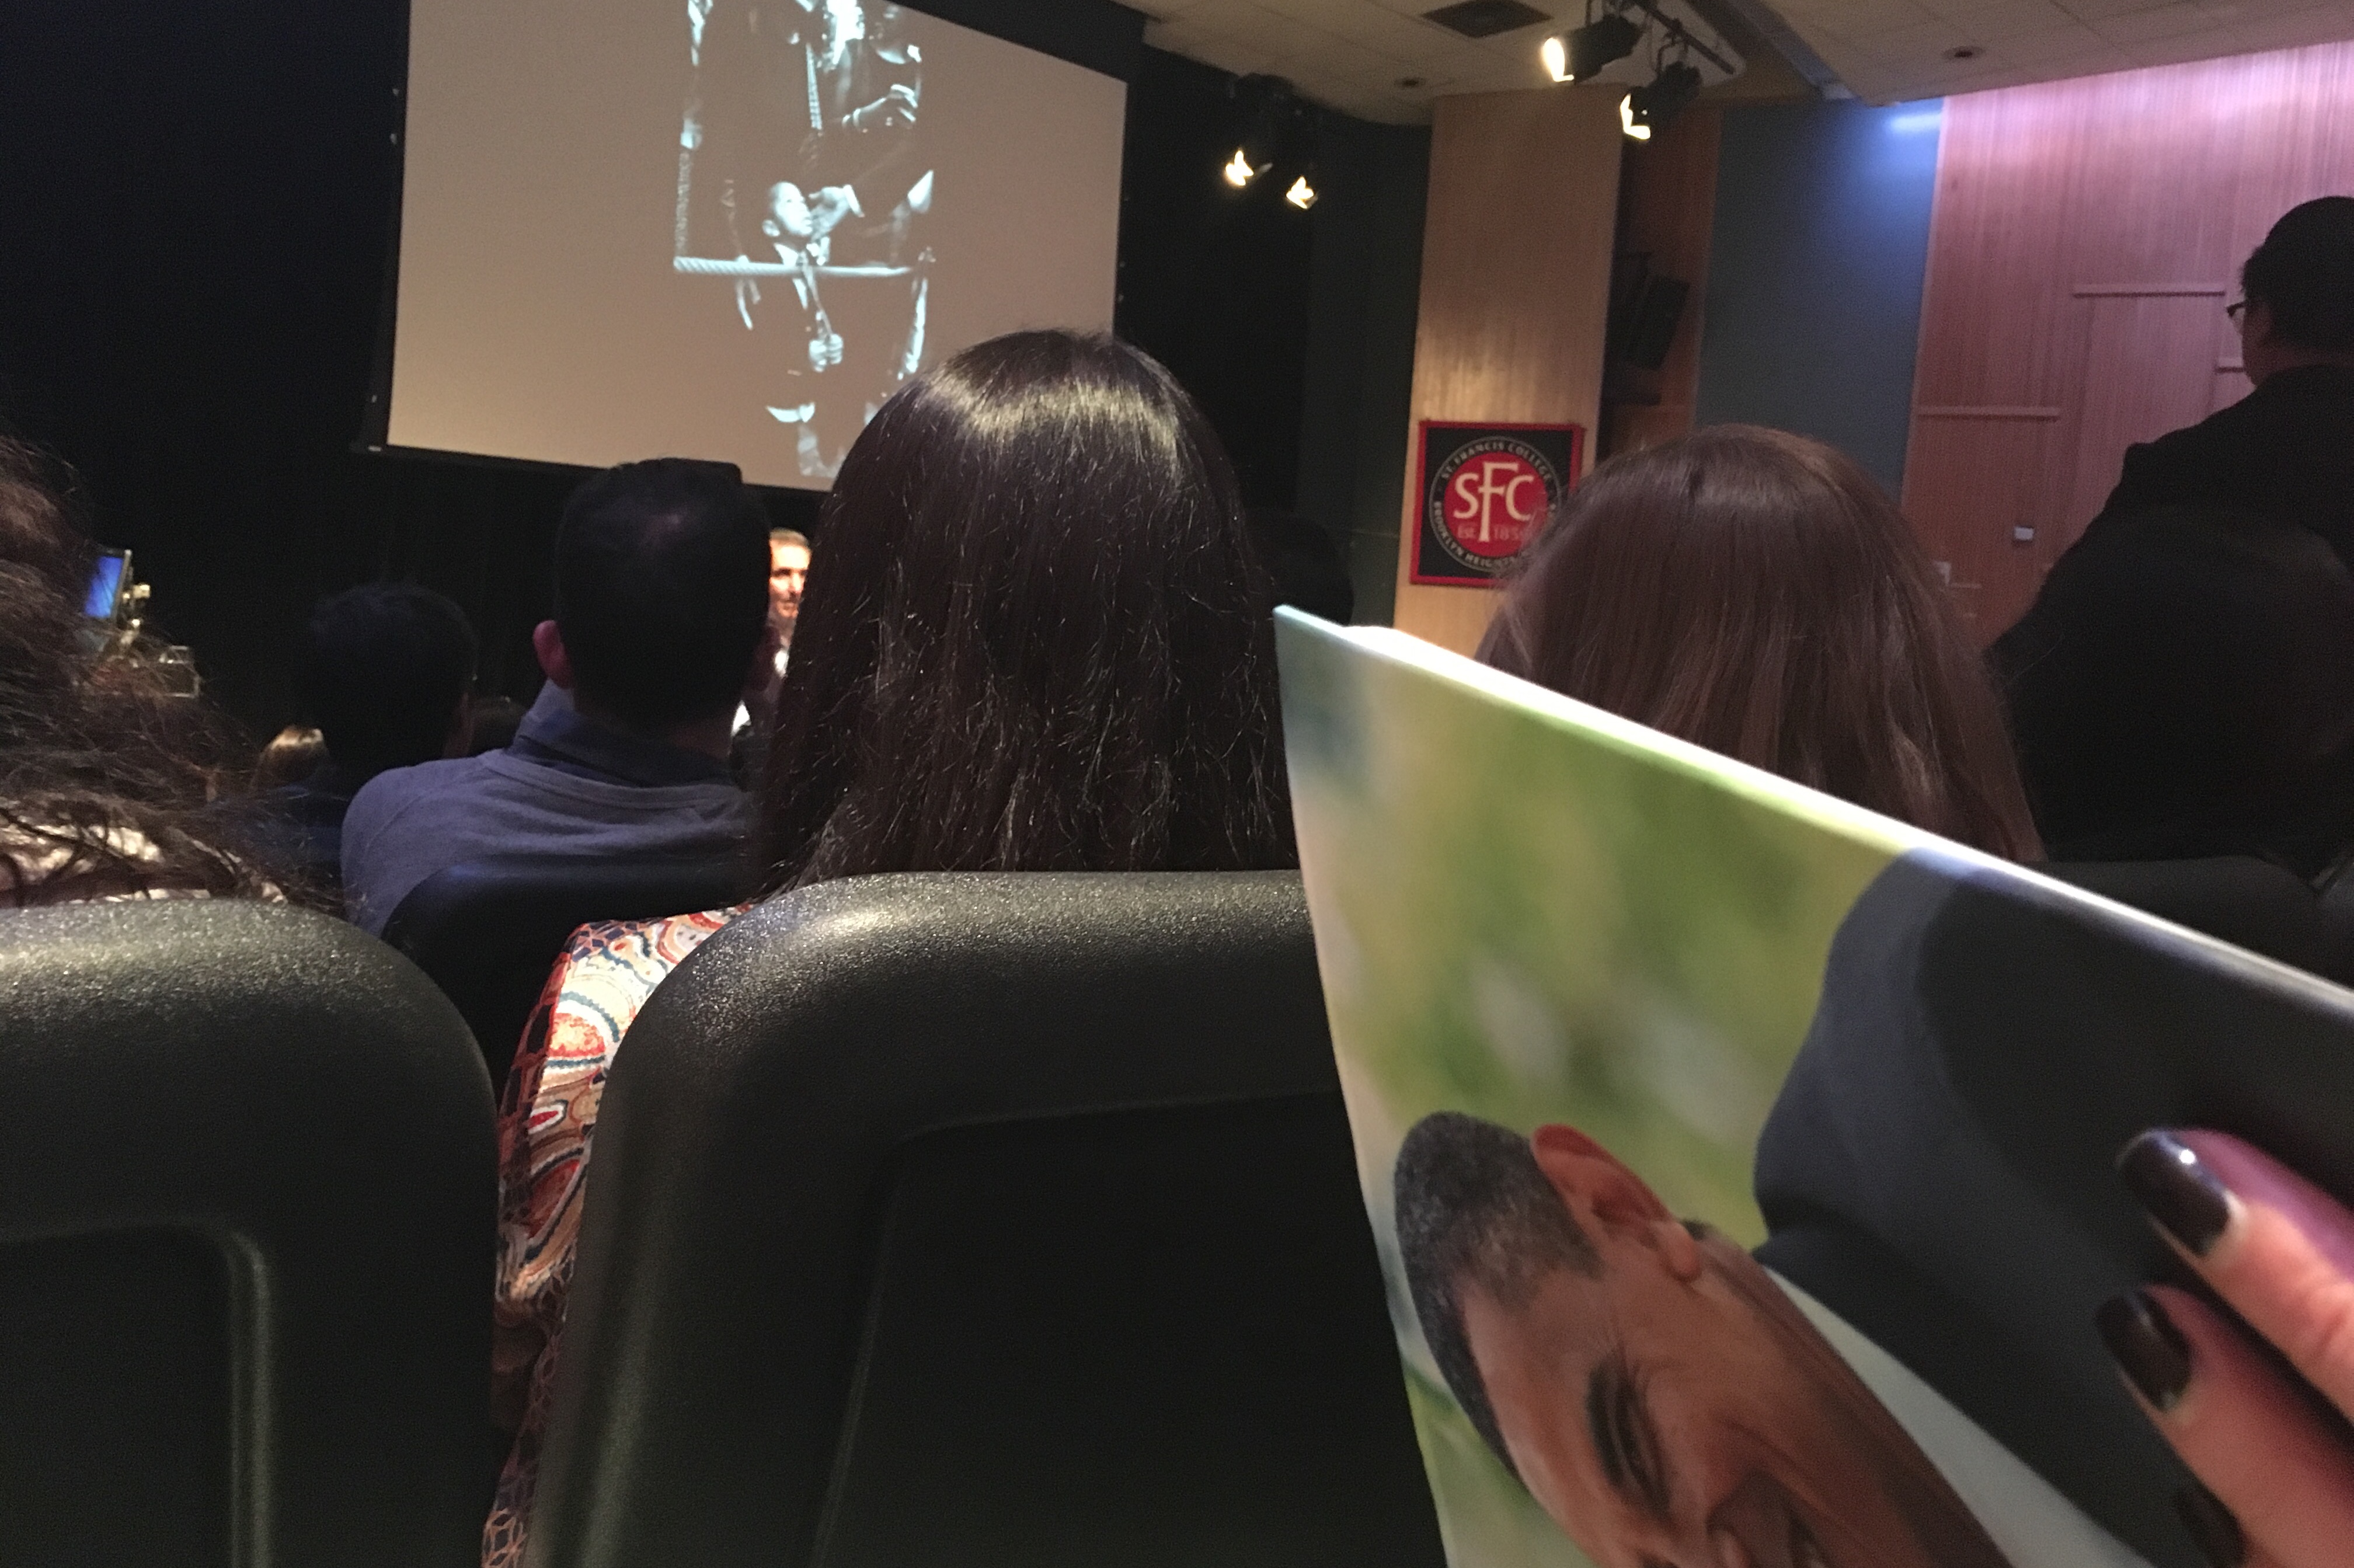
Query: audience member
[[661, 624], [387, 672], [1039, 639], [1308, 570], [104, 770], [2184, 687], [788, 561], [2286, 449], [292, 756], [789, 565], [1753, 592]]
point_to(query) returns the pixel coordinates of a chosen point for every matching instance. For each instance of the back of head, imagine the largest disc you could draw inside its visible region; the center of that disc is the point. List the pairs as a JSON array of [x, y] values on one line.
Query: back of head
[[1753, 592], [661, 590], [1306, 564], [1037, 638], [293, 755], [385, 667], [2184, 686], [2304, 272]]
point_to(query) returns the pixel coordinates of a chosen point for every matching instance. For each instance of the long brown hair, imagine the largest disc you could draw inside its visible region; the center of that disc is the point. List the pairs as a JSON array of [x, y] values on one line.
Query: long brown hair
[[1036, 636], [1753, 592]]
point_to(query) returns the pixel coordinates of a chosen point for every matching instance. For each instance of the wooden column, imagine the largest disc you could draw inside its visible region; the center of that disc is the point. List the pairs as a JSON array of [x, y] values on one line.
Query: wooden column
[[1515, 289], [1667, 210]]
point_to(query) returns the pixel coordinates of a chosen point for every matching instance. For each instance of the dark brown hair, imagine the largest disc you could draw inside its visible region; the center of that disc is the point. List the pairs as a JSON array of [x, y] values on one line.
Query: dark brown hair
[[1755, 593], [2304, 273], [662, 589], [104, 771], [1037, 638]]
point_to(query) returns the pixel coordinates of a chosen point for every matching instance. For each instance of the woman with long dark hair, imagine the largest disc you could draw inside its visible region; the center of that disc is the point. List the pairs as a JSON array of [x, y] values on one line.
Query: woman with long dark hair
[[1753, 592], [1035, 637]]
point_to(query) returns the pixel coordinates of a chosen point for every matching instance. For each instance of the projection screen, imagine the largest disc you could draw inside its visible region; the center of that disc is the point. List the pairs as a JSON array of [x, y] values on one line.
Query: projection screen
[[727, 228]]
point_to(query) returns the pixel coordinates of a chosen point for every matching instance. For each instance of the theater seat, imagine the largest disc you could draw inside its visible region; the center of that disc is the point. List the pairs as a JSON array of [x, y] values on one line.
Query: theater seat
[[488, 930], [2249, 903], [984, 1219], [247, 1195]]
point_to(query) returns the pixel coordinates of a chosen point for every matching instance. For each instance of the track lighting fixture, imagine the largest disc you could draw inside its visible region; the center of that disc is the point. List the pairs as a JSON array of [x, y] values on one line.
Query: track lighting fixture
[[1599, 43], [1654, 105], [1279, 132], [1583, 52]]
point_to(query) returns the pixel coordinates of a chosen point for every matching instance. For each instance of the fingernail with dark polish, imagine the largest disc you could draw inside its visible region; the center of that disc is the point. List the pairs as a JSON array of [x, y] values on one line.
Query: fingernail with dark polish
[[2148, 1348], [2180, 1193], [2210, 1525]]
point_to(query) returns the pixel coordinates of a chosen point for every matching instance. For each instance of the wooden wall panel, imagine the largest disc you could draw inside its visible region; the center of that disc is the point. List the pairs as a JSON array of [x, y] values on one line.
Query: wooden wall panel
[[1978, 482], [1515, 288], [2083, 237], [2148, 367]]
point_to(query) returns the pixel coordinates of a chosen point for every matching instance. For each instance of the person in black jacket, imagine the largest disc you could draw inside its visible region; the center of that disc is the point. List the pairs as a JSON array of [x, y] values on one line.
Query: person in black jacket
[[2286, 449], [2184, 688]]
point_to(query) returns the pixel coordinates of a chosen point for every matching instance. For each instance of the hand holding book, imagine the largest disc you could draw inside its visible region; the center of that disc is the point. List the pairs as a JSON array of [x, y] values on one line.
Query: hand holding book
[[2281, 1252]]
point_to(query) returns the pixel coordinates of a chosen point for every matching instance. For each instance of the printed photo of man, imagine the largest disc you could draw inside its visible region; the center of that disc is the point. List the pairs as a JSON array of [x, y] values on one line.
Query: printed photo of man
[[1664, 1399]]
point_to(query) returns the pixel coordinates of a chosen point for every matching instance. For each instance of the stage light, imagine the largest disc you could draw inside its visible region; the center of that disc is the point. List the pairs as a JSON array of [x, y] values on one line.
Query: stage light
[[1301, 195], [1598, 43], [1627, 120], [1556, 55], [1667, 94], [1238, 170]]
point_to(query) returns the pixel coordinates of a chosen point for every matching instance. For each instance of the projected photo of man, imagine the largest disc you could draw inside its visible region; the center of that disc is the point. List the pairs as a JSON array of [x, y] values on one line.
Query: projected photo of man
[[1660, 1395], [803, 157]]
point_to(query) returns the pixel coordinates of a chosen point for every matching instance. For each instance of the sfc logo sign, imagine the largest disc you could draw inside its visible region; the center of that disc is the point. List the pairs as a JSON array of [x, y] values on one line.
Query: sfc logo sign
[[1486, 489]]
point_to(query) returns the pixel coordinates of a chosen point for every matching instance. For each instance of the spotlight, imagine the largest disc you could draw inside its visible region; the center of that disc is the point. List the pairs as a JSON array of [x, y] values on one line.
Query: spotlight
[[1668, 94], [1627, 120], [1598, 43], [1556, 55], [1238, 170], [1301, 195]]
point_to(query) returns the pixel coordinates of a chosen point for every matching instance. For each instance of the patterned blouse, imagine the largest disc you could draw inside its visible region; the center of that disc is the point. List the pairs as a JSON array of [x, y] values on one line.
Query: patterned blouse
[[547, 1123]]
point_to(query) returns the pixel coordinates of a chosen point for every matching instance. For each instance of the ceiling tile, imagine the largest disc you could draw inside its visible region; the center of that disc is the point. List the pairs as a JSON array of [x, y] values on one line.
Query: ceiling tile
[[2001, 18], [1340, 57], [1920, 45], [2146, 26], [1869, 18], [2094, 10], [1400, 37], [2071, 41], [1241, 57], [2318, 25], [1341, 16], [2179, 49]]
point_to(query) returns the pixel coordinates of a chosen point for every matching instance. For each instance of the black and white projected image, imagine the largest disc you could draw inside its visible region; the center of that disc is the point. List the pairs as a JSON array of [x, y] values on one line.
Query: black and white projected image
[[805, 197]]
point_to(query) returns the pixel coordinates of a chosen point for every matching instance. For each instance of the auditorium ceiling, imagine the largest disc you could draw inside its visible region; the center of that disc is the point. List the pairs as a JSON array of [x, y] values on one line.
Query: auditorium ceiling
[[1384, 60]]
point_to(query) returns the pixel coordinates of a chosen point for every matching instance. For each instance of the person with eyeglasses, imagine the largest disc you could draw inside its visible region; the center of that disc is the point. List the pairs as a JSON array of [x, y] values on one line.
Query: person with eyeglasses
[[2167, 690], [2286, 449]]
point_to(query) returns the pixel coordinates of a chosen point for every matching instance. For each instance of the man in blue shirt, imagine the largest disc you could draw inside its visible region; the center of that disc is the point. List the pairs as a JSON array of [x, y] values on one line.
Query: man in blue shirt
[[661, 626]]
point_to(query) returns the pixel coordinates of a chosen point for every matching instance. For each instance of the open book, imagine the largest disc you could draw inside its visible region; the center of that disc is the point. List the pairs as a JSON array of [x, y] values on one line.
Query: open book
[[1742, 1162]]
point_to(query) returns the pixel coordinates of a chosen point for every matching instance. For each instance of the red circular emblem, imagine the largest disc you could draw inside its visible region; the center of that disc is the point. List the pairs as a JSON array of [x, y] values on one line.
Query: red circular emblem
[[1490, 498]]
